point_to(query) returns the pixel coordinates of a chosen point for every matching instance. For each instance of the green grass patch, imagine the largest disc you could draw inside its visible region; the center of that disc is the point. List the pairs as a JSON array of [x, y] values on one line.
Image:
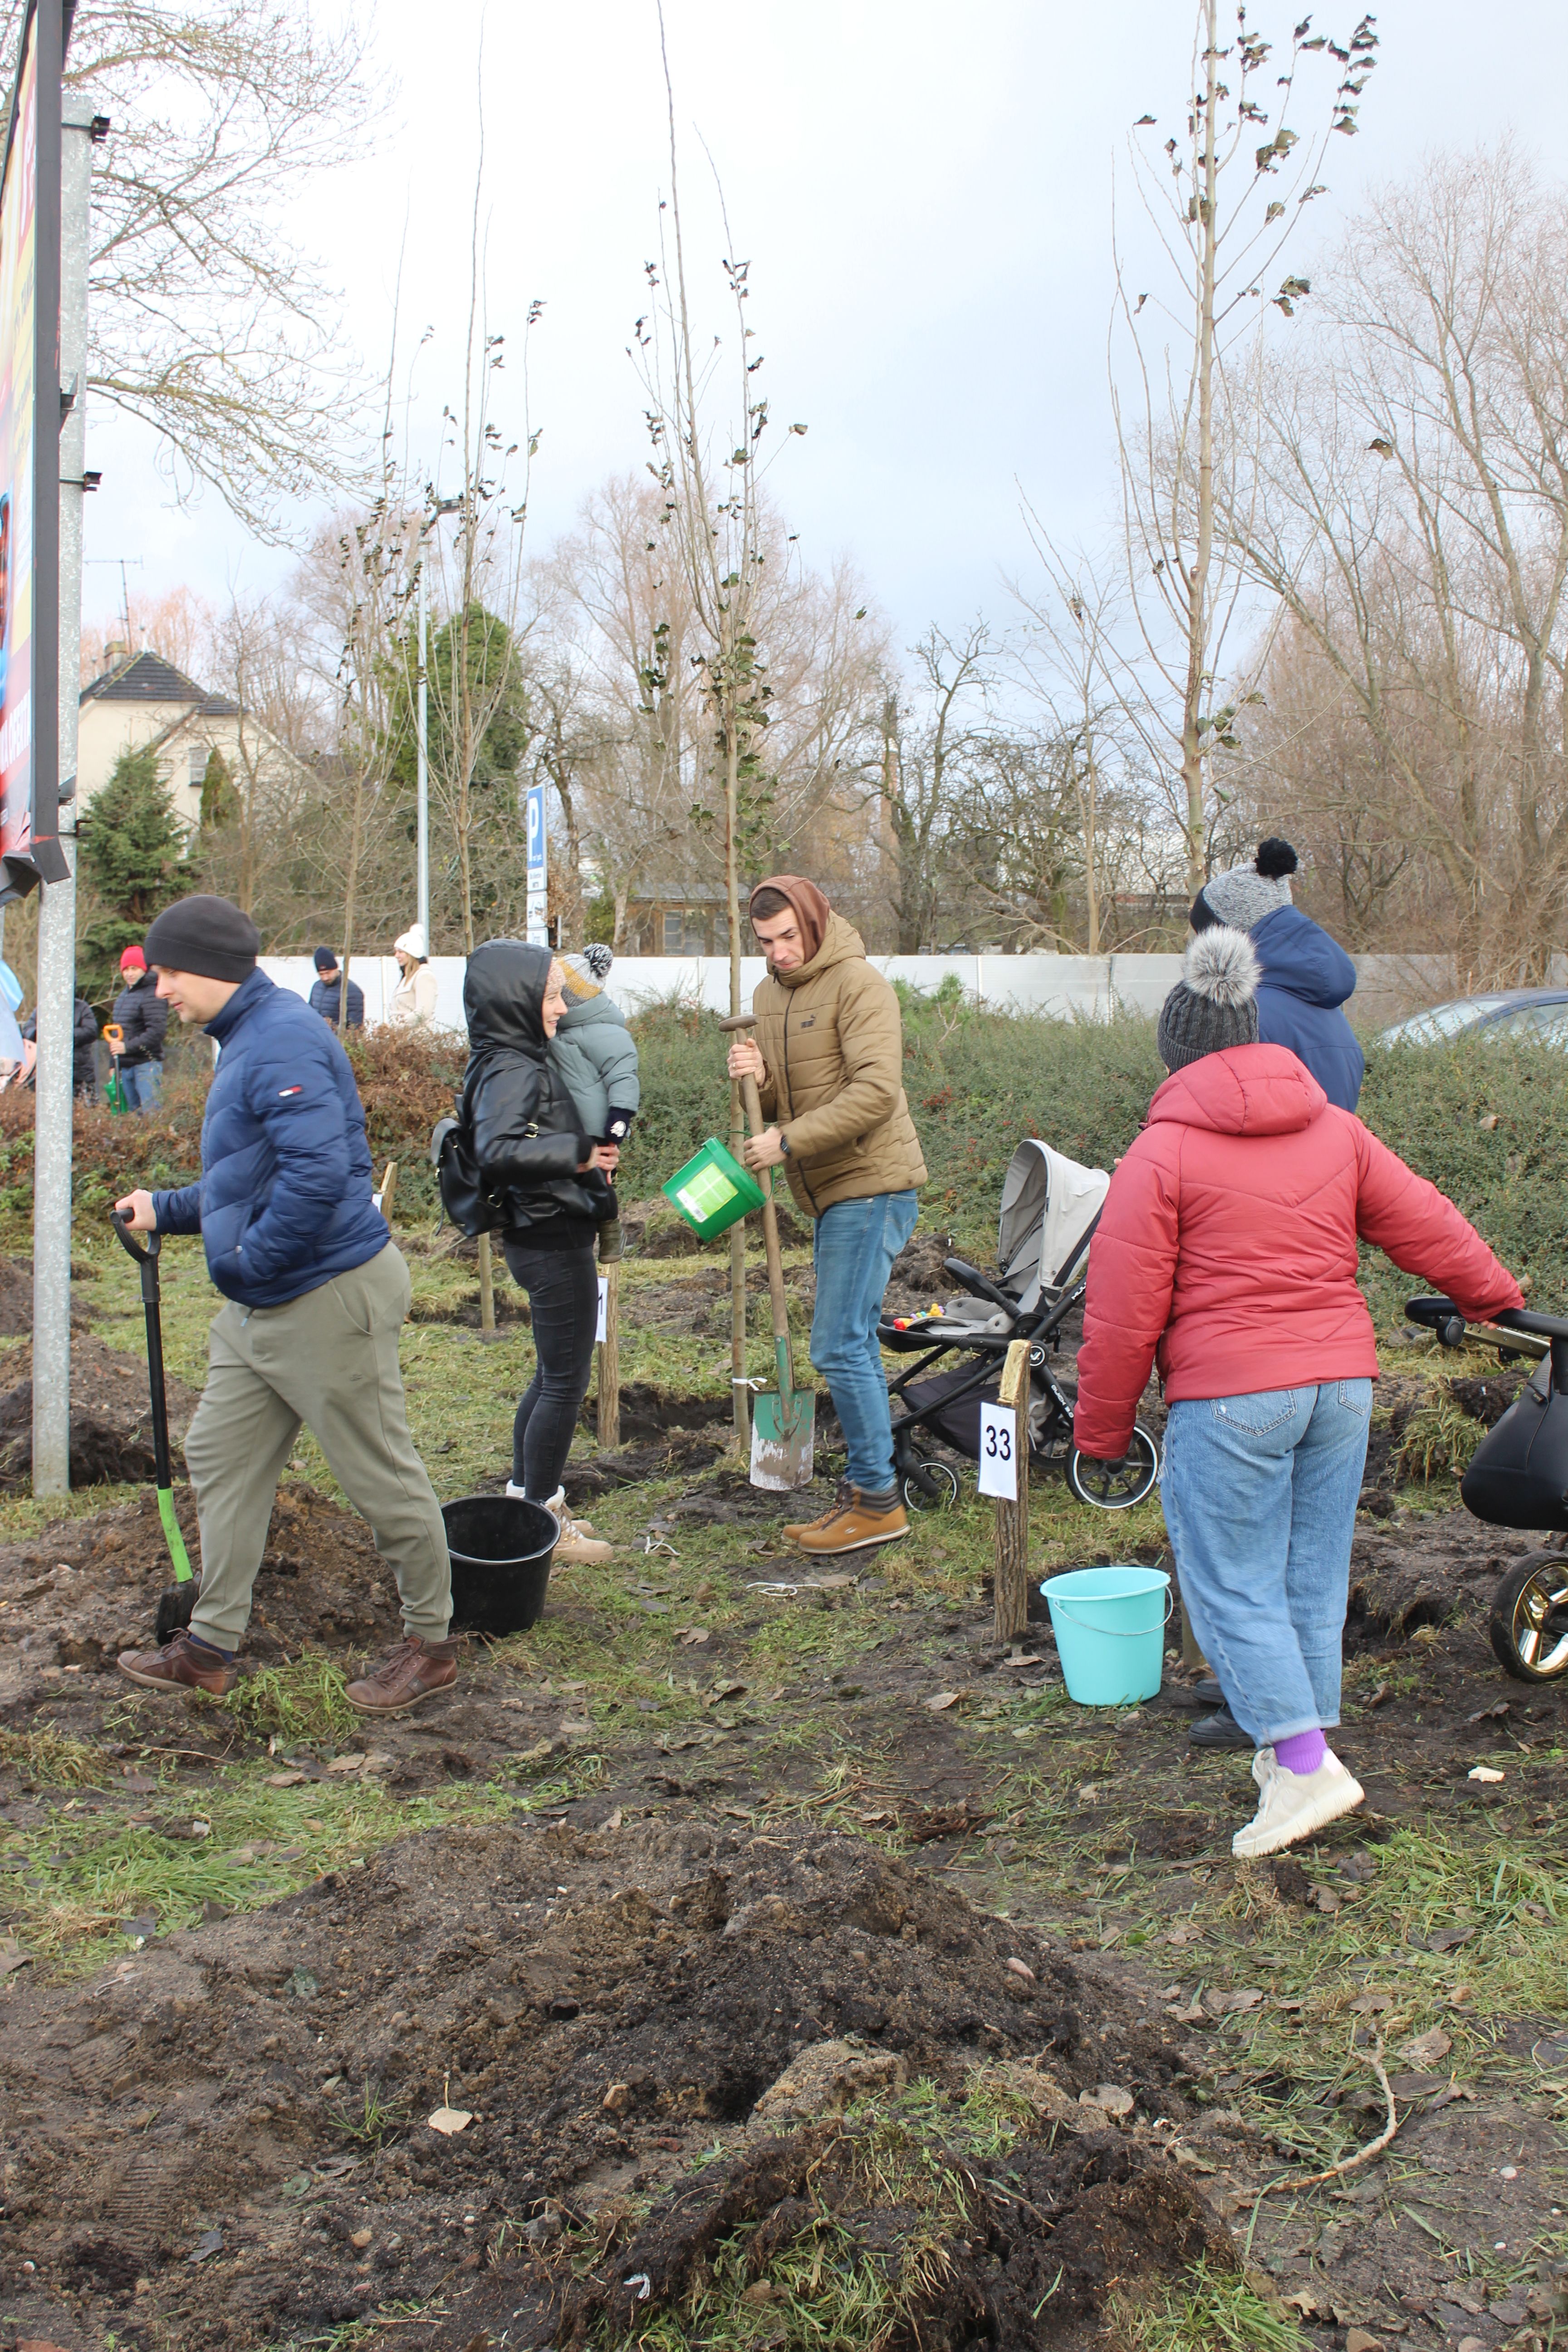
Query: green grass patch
[[52, 1758], [1212, 2313], [235, 1842], [301, 1701]]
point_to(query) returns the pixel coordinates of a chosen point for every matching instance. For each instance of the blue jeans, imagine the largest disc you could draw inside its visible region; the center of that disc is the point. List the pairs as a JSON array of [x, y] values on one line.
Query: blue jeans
[[144, 1084], [852, 1249], [1260, 1494]]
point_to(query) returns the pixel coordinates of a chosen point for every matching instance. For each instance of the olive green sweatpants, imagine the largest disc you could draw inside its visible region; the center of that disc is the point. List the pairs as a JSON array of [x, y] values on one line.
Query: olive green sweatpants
[[328, 1359]]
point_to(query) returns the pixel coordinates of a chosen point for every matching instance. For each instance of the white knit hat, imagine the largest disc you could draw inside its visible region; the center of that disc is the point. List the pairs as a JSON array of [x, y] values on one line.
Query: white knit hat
[[415, 943]]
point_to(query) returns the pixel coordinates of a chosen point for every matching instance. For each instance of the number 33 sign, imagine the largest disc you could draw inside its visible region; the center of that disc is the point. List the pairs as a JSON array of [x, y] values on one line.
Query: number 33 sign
[[998, 1463]]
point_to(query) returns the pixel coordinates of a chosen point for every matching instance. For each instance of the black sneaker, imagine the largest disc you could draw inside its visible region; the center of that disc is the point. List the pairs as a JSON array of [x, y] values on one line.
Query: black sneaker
[[1221, 1731]]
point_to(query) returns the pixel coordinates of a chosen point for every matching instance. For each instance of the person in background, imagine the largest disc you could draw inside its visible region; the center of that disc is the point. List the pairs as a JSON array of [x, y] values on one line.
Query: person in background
[[1225, 1252], [533, 1153], [829, 1058], [413, 1002], [1306, 977], [316, 1294], [326, 987], [84, 1057], [142, 1019], [597, 1054]]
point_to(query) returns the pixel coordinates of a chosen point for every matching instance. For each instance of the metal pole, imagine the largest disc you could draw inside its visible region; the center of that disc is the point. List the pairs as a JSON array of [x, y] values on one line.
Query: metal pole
[[424, 772], [56, 909]]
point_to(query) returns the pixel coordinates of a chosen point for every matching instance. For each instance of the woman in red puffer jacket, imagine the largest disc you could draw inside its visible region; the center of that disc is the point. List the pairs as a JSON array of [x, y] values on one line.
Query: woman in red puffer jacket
[[1227, 1253]]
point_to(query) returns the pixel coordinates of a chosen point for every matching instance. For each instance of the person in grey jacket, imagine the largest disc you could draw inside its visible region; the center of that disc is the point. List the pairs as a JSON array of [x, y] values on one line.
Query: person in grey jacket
[[594, 1052]]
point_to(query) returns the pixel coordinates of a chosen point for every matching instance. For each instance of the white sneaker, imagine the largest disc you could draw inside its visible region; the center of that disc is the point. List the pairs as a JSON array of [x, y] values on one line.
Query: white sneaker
[[1293, 1804], [557, 1504]]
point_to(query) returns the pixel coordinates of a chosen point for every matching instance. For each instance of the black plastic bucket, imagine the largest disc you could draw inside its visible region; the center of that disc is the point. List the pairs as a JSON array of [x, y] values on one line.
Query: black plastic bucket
[[501, 1550]]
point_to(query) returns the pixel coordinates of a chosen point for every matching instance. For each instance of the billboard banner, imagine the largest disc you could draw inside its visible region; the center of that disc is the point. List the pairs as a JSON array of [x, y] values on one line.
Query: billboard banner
[[29, 463], [538, 869]]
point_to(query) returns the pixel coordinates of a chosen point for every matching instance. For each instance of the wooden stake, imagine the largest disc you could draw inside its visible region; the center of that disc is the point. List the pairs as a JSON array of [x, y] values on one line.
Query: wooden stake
[[610, 1360], [388, 1187], [1012, 1579]]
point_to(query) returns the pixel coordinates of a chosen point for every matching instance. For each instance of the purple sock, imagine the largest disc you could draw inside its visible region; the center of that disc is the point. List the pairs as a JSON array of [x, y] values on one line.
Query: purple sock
[[1302, 1753]]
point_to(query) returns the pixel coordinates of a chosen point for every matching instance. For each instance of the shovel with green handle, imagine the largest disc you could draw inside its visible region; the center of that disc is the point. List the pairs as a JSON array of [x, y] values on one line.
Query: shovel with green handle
[[176, 1600], [784, 1419]]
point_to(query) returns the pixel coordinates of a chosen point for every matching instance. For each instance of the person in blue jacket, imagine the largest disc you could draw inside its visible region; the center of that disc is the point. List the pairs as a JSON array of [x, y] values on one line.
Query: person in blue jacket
[[316, 1293], [1306, 976]]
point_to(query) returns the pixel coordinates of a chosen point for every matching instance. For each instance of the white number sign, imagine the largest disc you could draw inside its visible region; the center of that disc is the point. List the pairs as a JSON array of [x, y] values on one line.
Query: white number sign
[[603, 1307], [998, 1468]]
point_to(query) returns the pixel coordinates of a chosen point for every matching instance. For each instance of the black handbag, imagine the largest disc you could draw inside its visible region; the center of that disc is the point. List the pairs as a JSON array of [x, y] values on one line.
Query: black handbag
[[1518, 1476], [467, 1199]]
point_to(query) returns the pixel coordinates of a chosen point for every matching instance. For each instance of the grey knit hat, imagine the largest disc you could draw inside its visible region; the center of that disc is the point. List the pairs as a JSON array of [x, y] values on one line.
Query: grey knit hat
[[598, 958], [1244, 895], [1215, 1003]]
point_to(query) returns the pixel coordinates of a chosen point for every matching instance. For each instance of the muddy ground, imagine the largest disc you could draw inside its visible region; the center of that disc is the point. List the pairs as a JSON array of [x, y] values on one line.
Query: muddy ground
[[782, 1896]]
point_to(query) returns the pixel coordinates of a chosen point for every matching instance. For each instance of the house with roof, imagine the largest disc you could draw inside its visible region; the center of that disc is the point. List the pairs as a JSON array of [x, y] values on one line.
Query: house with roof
[[142, 702]]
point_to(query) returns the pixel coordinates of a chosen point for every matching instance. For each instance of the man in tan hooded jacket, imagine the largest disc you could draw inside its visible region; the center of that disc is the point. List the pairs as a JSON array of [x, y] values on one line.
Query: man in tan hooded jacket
[[828, 1056]]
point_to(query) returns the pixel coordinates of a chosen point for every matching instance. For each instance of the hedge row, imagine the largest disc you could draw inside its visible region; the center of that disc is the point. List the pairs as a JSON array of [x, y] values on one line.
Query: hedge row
[[1488, 1123]]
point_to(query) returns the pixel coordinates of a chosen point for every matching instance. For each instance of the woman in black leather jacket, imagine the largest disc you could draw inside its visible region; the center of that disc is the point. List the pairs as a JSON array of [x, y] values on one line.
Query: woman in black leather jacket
[[552, 1178]]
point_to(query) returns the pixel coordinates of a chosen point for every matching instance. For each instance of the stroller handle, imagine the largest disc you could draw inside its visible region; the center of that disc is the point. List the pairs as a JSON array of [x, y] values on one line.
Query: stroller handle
[[978, 1285], [1441, 1315]]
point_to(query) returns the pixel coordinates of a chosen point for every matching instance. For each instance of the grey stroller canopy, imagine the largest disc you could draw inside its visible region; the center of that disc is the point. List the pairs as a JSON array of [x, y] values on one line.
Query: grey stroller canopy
[[1051, 1207]]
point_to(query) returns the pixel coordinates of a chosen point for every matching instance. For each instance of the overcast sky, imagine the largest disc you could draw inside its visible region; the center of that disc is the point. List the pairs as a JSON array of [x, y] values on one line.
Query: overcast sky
[[923, 192]]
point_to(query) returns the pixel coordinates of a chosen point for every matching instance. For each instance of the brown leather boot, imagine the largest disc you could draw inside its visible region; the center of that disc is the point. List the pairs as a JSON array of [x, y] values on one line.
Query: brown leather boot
[[852, 1525], [180, 1665], [415, 1671]]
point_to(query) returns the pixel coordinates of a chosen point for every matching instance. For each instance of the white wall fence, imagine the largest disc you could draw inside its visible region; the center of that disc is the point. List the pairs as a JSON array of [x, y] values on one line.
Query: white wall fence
[[1069, 987]]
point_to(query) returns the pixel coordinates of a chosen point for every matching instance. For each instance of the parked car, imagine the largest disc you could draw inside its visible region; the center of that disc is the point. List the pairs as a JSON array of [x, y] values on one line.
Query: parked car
[[1537, 1013]]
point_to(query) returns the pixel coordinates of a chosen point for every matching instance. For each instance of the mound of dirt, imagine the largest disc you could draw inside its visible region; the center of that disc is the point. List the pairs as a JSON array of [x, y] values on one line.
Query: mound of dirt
[[85, 1590], [917, 1269], [1424, 1572], [111, 1419], [594, 2006], [16, 1297]]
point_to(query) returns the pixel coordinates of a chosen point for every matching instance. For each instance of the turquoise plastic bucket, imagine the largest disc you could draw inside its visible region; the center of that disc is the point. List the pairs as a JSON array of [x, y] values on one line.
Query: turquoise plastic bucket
[[1110, 1624]]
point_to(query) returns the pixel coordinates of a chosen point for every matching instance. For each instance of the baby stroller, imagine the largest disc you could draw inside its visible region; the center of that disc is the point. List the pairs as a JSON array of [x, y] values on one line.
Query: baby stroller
[[1051, 1207], [1517, 1477]]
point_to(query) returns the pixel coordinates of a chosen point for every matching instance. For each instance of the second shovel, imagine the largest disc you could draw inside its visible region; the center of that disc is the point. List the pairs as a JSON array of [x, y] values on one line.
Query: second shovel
[[784, 1419]]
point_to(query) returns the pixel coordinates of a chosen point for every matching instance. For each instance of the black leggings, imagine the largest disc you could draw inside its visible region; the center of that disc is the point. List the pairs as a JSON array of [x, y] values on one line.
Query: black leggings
[[562, 1286]]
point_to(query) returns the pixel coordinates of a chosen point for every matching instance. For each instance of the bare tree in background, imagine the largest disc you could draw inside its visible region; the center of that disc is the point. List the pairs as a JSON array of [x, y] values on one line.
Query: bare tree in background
[[922, 772], [1223, 195], [204, 322], [1410, 512]]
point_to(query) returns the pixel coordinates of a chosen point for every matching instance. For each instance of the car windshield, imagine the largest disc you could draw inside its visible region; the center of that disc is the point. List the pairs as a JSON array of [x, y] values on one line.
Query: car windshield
[[1547, 1023], [1443, 1021]]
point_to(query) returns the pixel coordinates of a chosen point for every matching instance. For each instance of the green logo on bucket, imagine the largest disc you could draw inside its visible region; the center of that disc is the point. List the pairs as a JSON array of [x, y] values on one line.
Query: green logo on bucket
[[709, 1192]]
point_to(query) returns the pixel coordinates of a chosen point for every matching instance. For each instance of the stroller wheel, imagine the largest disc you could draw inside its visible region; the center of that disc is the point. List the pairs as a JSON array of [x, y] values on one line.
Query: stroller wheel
[[1530, 1620], [1116, 1490], [931, 1487]]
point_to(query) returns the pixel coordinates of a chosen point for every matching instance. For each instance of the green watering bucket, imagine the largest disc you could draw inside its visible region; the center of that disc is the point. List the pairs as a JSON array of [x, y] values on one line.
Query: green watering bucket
[[712, 1191], [1110, 1624]]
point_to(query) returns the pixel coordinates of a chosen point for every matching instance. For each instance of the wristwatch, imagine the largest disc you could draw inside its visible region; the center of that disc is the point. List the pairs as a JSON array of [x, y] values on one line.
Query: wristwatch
[[784, 1144]]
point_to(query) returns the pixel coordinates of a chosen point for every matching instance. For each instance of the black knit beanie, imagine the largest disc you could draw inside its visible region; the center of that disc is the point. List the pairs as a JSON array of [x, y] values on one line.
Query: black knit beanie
[[1215, 1003], [206, 935]]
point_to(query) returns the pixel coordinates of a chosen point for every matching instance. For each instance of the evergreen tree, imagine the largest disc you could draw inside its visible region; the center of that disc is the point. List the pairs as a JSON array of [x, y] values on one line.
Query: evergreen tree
[[220, 803], [130, 848]]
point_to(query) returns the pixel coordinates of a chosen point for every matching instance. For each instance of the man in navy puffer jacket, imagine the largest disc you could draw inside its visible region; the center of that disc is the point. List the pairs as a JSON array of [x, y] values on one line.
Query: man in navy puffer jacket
[[1306, 977], [316, 1291]]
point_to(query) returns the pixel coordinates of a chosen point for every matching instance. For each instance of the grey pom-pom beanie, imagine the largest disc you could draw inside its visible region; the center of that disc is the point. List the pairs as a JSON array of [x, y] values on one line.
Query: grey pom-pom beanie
[[1244, 895], [1215, 1003]]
